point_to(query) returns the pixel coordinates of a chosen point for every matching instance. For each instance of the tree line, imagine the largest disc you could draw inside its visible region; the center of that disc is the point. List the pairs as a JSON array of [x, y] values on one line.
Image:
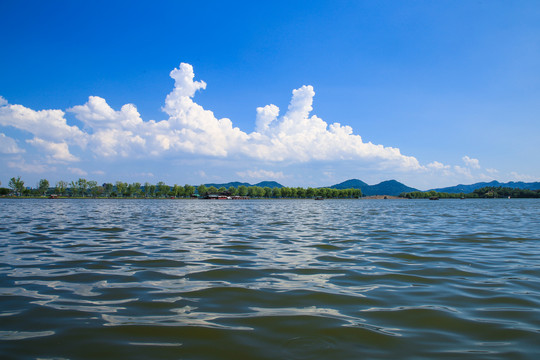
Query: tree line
[[90, 188], [482, 193]]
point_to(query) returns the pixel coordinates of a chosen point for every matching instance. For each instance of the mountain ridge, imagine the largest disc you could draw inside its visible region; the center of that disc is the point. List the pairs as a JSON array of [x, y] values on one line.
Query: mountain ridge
[[470, 188], [236, 184], [392, 187], [388, 187]]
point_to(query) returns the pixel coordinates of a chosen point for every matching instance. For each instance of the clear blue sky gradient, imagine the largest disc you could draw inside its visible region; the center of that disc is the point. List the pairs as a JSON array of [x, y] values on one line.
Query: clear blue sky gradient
[[439, 80]]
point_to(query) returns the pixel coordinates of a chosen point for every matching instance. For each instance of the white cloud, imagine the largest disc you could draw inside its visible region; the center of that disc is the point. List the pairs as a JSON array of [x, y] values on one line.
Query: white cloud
[[265, 116], [45, 124], [192, 129], [463, 171], [261, 174], [492, 171], [473, 163], [114, 133], [437, 165], [522, 177], [296, 136], [98, 172], [8, 145], [3, 102], [77, 171], [34, 167], [55, 151]]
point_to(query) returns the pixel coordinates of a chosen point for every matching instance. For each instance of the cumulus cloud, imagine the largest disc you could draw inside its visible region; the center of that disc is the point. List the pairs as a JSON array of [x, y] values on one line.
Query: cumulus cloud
[[297, 136], [265, 116], [470, 162], [437, 165], [114, 133], [46, 124], [55, 151], [8, 145], [261, 174], [190, 128], [301, 137]]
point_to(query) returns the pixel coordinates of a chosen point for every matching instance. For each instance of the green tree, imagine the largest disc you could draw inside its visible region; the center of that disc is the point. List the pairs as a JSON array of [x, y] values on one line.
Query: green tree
[[222, 190], [189, 190], [255, 191], [267, 192], [60, 187], [43, 186], [276, 192], [233, 191], [121, 188], [82, 185], [93, 187], [74, 189], [17, 185], [293, 193], [242, 190], [134, 189], [178, 190], [162, 188], [202, 190], [108, 188], [146, 189]]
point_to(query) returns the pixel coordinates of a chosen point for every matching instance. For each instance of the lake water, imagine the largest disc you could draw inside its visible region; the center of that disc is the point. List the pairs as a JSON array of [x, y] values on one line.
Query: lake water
[[269, 279]]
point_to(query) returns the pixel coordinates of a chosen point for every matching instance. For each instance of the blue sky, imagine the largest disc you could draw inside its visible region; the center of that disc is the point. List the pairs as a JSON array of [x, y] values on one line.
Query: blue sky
[[307, 93]]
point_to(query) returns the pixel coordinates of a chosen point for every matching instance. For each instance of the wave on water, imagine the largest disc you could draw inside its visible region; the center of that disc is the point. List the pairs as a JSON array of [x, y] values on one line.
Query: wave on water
[[269, 279]]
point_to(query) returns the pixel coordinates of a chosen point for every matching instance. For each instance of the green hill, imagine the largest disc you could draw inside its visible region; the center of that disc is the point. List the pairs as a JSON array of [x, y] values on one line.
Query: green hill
[[389, 187], [470, 188], [236, 184]]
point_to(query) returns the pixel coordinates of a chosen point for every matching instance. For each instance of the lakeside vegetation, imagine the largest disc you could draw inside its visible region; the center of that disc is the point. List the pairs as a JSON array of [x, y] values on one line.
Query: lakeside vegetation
[[487, 192], [83, 188], [88, 188]]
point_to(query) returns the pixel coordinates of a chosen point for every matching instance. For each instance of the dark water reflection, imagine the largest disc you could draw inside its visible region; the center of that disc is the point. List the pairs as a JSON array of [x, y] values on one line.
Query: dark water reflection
[[279, 279]]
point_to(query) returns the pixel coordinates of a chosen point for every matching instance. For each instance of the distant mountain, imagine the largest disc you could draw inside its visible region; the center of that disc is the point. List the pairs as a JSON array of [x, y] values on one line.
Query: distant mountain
[[470, 188], [389, 187], [392, 187], [236, 184], [351, 184], [270, 184]]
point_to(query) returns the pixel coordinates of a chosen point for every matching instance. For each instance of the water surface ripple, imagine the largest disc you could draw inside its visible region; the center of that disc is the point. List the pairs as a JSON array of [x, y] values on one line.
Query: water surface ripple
[[276, 279]]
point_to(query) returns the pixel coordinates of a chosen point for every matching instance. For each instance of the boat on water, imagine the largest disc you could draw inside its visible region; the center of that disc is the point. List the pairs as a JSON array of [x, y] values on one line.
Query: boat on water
[[434, 198]]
